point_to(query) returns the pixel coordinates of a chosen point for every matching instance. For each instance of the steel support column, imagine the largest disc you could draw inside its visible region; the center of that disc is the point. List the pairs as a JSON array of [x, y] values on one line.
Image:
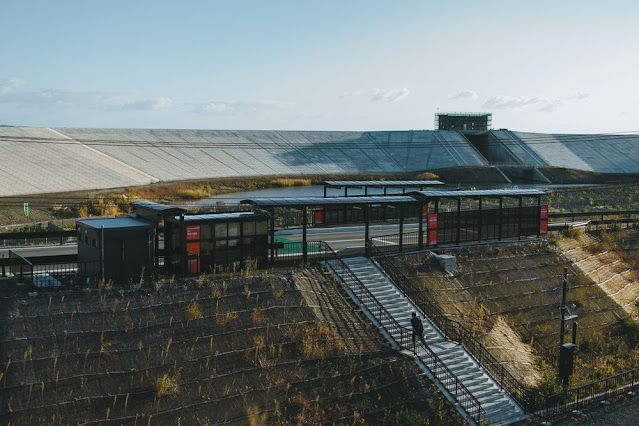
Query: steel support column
[[420, 237], [182, 245], [272, 224], [401, 228], [479, 230], [304, 220], [501, 206], [366, 232], [458, 220], [521, 201], [539, 216]]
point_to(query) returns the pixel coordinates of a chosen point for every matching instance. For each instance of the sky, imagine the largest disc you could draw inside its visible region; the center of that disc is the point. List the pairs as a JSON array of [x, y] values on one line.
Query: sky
[[539, 66]]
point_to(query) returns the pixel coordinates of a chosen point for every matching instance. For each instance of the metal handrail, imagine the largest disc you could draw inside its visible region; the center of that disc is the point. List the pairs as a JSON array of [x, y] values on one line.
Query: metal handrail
[[455, 387], [454, 330], [545, 406]]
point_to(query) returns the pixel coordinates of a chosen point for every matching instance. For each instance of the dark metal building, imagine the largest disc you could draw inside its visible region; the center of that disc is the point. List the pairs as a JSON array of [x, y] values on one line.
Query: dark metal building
[[117, 249]]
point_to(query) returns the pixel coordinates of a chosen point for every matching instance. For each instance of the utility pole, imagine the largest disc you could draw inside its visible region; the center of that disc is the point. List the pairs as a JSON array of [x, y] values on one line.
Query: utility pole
[[566, 351]]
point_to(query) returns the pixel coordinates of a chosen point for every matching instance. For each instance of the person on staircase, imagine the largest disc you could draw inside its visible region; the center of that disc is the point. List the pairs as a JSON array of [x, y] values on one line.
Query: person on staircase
[[418, 329]]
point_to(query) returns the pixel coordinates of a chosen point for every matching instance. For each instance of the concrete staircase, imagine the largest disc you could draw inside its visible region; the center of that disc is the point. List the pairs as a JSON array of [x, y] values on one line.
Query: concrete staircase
[[499, 407]]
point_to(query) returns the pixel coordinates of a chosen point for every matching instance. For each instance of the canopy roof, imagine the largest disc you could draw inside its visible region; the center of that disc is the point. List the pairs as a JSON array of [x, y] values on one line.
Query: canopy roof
[[321, 201]]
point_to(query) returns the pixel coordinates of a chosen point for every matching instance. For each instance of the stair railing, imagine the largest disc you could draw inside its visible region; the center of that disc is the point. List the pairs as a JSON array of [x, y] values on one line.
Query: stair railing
[[454, 330], [435, 365]]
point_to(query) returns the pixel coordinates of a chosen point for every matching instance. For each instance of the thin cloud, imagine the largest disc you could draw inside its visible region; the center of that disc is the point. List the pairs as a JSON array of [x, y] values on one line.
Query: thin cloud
[[579, 96], [390, 95], [9, 84], [463, 95], [148, 104], [233, 107], [378, 95], [63, 98], [552, 106], [513, 103]]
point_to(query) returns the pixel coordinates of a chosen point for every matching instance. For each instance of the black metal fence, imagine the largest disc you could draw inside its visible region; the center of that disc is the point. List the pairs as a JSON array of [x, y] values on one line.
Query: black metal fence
[[294, 251], [622, 219], [395, 243], [545, 406], [37, 238], [37, 277], [403, 337], [596, 392]]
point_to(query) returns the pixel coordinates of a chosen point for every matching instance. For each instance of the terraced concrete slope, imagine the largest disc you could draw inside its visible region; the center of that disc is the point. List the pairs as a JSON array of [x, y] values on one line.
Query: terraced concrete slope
[[41, 160], [105, 158], [31, 164], [611, 273], [598, 153]]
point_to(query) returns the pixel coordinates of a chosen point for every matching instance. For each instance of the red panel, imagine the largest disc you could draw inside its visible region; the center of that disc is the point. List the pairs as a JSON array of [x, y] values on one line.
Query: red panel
[[432, 229], [543, 212], [425, 210], [432, 238], [319, 215], [193, 233], [543, 226]]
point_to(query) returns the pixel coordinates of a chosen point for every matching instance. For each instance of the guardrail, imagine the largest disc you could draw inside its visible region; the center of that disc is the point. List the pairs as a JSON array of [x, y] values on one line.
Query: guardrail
[[544, 406], [294, 250], [36, 238], [455, 387], [591, 393], [597, 219], [391, 243]]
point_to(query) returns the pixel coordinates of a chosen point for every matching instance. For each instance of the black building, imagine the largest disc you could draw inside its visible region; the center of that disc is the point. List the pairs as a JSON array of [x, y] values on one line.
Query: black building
[[117, 249]]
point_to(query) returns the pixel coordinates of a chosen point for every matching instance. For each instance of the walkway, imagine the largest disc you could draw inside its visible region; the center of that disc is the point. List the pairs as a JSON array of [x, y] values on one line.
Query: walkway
[[499, 407]]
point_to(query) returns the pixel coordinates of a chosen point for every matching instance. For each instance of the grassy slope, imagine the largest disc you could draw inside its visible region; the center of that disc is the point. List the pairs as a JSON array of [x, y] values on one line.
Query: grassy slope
[[271, 348], [520, 284]]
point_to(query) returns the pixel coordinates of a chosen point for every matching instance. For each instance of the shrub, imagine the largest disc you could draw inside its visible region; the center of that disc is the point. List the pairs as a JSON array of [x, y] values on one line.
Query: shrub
[[572, 232]]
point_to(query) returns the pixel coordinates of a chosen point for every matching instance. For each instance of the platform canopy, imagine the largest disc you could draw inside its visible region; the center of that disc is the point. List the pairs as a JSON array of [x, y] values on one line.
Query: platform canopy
[[472, 193], [381, 183], [385, 184], [300, 202]]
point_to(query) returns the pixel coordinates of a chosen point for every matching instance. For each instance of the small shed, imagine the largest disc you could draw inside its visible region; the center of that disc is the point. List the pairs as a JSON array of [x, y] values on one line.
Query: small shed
[[206, 242], [117, 249]]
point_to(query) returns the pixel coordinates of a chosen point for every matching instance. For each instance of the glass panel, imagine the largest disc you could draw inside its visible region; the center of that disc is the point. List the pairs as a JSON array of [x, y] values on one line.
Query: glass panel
[[206, 248], [220, 244], [249, 228], [205, 232], [233, 243], [261, 228], [234, 229], [220, 230]]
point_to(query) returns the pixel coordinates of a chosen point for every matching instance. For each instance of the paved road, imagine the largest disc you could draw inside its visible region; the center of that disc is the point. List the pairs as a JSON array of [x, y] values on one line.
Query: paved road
[[343, 237]]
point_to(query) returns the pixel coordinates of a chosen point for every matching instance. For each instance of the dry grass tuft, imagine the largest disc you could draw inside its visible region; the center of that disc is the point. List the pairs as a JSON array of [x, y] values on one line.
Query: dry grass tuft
[[193, 310], [287, 182], [167, 386]]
